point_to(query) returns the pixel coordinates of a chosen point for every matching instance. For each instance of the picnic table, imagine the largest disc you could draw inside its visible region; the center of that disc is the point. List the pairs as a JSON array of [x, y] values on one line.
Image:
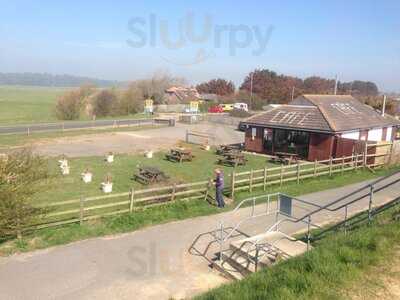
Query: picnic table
[[147, 175], [223, 149], [284, 157], [180, 155], [234, 158]]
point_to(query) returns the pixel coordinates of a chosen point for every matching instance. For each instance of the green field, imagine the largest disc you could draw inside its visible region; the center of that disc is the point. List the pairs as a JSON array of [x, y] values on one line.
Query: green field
[[32, 105], [27, 104]]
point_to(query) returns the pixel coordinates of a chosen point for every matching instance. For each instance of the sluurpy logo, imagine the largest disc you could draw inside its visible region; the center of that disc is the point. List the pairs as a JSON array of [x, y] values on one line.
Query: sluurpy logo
[[205, 38]]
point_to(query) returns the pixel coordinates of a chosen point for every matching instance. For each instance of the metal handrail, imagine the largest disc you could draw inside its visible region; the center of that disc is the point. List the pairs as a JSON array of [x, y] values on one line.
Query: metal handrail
[[252, 215], [307, 217], [326, 207]]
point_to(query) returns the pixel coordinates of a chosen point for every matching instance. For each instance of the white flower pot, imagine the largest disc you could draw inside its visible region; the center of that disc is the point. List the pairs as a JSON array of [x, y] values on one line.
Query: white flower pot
[[207, 147], [87, 177], [110, 158], [149, 154], [65, 170], [106, 187]]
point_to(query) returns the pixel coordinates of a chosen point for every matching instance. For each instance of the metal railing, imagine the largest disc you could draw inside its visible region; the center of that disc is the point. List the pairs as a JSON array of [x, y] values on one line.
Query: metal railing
[[253, 202], [343, 202], [80, 125], [370, 189]]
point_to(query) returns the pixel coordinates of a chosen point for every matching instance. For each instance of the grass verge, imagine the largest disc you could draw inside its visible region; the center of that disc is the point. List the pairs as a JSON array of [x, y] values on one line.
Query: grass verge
[[175, 211], [336, 264]]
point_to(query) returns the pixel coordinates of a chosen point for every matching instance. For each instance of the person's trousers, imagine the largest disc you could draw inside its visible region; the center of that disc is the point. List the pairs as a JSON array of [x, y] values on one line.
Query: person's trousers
[[219, 197]]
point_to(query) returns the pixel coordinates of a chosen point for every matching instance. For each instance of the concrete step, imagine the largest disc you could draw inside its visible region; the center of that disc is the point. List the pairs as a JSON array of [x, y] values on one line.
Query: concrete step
[[243, 264], [273, 244], [228, 270]]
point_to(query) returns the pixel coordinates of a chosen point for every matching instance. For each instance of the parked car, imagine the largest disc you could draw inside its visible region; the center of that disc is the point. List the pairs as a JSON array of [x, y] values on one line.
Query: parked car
[[227, 107], [242, 126], [215, 109], [241, 106]]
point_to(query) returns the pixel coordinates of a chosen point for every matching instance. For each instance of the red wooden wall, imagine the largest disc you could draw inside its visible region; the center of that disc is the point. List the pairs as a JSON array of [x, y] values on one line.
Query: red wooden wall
[[256, 144], [320, 147]]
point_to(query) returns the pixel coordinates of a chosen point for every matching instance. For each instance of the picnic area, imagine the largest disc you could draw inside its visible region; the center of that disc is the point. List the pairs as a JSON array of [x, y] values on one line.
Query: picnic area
[[126, 166]]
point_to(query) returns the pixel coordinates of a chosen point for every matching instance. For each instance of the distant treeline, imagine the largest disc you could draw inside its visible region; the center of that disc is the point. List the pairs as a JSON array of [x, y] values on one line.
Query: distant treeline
[[50, 80]]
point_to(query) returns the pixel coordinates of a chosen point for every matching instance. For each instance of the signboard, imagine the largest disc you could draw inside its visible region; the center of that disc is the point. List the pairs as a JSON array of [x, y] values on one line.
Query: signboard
[[148, 106], [285, 205], [194, 106]]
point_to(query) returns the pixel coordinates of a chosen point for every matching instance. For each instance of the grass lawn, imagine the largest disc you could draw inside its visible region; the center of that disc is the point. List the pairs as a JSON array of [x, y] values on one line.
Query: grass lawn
[[332, 270], [124, 166], [163, 214]]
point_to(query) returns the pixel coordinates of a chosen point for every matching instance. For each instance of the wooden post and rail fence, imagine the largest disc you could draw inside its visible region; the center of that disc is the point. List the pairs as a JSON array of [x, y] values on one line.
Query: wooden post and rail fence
[[88, 208]]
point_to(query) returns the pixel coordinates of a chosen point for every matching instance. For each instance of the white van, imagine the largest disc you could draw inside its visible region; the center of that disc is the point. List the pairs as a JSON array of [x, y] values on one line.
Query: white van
[[241, 106]]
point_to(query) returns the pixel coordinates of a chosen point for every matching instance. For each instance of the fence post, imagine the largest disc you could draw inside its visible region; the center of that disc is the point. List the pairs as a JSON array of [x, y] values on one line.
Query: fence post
[[173, 192], [281, 174], [233, 185], [390, 156], [81, 209], [345, 219], [265, 178], [315, 168], [330, 166], [132, 195], [251, 181], [309, 233], [356, 162], [371, 195], [342, 164], [298, 172], [187, 136]]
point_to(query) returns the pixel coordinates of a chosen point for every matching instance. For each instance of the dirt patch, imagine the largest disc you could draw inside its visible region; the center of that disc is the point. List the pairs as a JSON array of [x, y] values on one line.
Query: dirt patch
[[132, 141]]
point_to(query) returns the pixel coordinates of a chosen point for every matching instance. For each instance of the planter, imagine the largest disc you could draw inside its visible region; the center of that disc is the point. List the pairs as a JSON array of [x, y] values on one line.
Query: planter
[[63, 163], [207, 147], [87, 177], [149, 154], [106, 187], [110, 158], [65, 170]]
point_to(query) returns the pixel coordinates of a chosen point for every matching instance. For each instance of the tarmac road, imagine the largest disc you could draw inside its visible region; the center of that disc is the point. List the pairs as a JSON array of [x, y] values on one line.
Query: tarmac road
[[70, 125]]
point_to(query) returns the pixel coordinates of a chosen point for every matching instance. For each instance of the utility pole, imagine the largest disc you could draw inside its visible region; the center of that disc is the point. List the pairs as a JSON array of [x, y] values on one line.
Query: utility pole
[[336, 84], [292, 93], [251, 90], [383, 105]]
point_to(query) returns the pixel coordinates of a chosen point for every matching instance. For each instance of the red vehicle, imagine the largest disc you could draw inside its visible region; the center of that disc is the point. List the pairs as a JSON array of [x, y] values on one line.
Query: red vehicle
[[216, 109]]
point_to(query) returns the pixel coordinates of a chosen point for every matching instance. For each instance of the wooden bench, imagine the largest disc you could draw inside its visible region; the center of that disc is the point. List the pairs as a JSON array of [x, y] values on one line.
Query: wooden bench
[[180, 155], [233, 159], [147, 175], [224, 149], [284, 158]]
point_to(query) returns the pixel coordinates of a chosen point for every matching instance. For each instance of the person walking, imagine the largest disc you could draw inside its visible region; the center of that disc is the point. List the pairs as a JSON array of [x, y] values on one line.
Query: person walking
[[219, 186]]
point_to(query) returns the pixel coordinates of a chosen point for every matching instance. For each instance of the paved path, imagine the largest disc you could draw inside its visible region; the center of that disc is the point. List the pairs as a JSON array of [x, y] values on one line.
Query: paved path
[[152, 263]]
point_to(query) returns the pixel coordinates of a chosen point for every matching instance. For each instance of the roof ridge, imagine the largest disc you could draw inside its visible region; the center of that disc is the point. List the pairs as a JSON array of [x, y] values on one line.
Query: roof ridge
[[323, 113]]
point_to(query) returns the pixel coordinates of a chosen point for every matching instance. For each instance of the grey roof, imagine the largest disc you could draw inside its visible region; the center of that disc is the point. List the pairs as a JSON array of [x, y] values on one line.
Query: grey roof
[[291, 116], [329, 113]]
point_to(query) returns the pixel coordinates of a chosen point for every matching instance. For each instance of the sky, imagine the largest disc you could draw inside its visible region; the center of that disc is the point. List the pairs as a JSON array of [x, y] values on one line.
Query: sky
[[201, 40]]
